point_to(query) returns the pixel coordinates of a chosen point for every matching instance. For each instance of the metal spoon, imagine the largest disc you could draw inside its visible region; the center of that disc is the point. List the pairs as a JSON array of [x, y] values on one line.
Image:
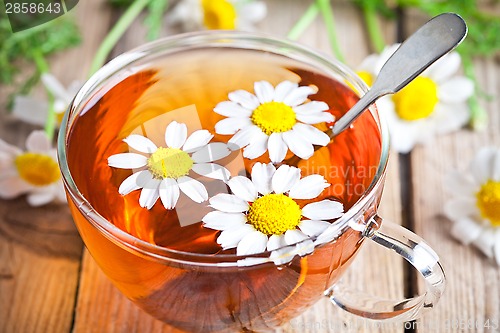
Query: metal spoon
[[429, 43]]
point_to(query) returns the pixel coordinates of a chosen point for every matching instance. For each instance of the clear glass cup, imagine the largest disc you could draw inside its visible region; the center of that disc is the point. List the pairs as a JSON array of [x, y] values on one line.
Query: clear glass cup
[[207, 293]]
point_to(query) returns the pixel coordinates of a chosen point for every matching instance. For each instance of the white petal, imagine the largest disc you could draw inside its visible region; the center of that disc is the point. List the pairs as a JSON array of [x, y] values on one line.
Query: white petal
[[277, 147], [369, 63], [304, 247], [262, 175], [11, 187], [481, 166], [311, 107], [405, 135], [299, 147], [458, 184], [283, 90], [230, 238], [60, 192], [283, 255], [243, 188], [275, 242], [232, 109], [495, 167], [264, 91], [197, 140], [294, 236], [232, 125], [466, 230], [212, 170], [244, 98], [458, 208], [55, 87], [38, 142], [444, 68], [243, 137], [149, 194], [228, 203], [253, 242], [257, 146], [175, 134], [308, 187], [40, 198], [252, 12], [221, 221], [496, 248], [211, 152], [127, 161], [456, 90], [132, 182], [313, 227], [140, 143], [285, 178], [30, 110], [316, 118], [449, 118], [193, 189], [169, 193], [486, 242], [311, 134], [298, 95], [323, 210], [7, 149]]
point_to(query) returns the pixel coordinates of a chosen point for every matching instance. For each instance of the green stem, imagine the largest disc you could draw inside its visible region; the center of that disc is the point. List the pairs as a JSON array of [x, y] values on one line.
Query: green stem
[[327, 12], [50, 122], [376, 37], [304, 22], [478, 115], [116, 33]]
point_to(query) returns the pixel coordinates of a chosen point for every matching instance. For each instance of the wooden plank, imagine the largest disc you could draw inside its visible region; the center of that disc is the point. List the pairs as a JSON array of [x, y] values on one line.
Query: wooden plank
[[471, 300], [40, 249], [102, 307]]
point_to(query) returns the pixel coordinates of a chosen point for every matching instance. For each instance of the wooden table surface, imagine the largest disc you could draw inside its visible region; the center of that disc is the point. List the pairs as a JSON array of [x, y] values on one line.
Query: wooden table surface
[[49, 282]]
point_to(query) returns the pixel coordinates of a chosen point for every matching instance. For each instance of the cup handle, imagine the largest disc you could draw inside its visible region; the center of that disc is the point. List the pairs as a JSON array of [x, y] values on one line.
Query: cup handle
[[416, 252]]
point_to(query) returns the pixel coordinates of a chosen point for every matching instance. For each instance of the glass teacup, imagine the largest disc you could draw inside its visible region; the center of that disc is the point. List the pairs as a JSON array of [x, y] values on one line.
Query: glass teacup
[[205, 290]]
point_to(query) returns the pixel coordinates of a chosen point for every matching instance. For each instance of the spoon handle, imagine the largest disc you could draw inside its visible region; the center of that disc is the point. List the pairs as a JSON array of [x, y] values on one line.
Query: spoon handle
[[429, 43]]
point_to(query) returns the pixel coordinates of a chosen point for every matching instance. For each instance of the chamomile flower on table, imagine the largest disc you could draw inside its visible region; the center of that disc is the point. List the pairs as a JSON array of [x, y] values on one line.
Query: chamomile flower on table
[[163, 172], [434, 103], [274, 119], [217, 14], [33, 172], [475, 206], [34, 111], [262, 213]]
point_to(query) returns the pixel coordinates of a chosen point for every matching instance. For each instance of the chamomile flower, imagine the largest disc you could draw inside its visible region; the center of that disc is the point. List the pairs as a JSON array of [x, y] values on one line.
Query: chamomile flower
[[263, 214], [217, 14], [163, 172], [475, 207], [34, 172], [434, 103], [275, 119], [33, 111]]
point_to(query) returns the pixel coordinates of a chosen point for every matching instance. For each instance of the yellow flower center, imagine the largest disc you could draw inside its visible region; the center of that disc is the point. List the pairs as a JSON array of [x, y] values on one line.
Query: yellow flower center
[[218, 14], [169, 163], [366, 77], [273, 214], [488, 202], [37, 169], [417, 100], [273, 117]]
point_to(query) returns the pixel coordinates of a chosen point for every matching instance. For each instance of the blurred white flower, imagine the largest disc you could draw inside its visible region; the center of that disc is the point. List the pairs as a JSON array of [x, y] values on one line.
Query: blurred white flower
[[217, 14], [432, 104], [34, 111], [475, 206], [34, 172]]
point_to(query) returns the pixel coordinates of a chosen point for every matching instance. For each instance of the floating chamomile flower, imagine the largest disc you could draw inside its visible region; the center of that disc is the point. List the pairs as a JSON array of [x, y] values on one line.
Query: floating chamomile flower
[[217, 14], [34, 172], [262, 213], [433, 103], [475, 207], [163, 171], [274, 120]]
